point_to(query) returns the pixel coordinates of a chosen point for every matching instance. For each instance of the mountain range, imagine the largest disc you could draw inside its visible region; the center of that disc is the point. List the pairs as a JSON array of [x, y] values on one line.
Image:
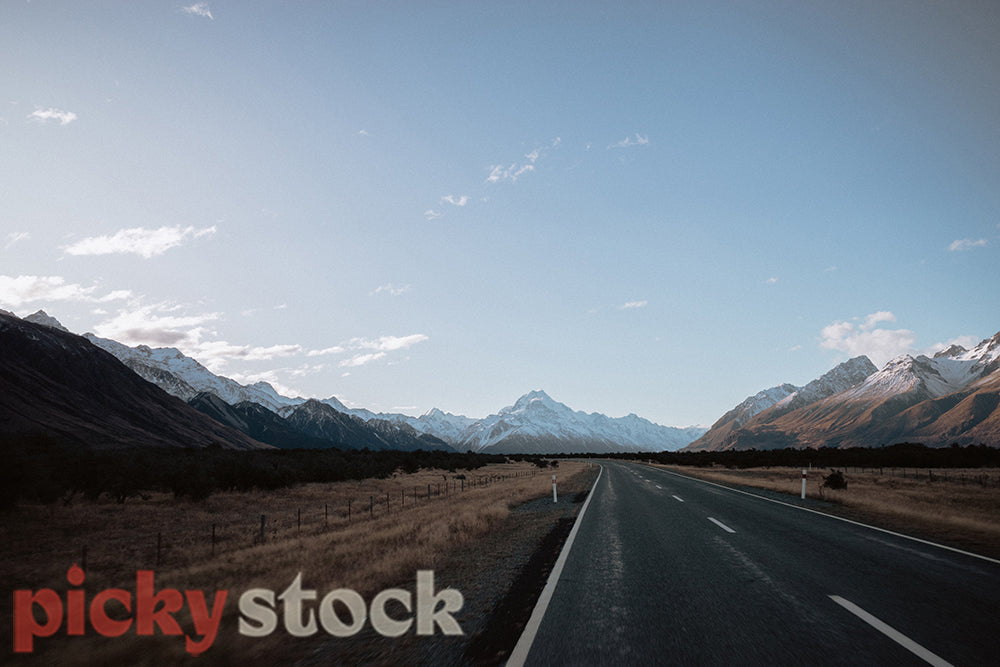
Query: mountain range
[[534, 424], [106, 394], [59, 386], [952, 397]]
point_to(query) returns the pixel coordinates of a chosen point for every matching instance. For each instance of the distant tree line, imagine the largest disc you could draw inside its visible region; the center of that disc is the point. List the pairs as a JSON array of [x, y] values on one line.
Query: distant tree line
[[903, 455], [41, 469]]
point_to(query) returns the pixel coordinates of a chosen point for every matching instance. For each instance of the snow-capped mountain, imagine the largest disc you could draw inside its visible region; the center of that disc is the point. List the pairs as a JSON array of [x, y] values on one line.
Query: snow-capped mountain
[[538, 424], [184, 377], [950, 397], [58, 385], [740, 415]]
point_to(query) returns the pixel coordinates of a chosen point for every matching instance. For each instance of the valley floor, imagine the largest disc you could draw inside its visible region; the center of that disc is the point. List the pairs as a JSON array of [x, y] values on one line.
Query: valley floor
[[477, 531]]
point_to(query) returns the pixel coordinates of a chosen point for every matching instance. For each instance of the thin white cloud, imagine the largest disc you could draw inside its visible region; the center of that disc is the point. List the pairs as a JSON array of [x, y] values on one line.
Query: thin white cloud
[[500, 172], [44, 115], [628, 142], [880, 345], [455, 201], [967, 244], [362, 359], [633, 304], [15, 237], [773, 280], [140, 241], [389, 343], [16, 291], [335, 349], [431, 214], [199, 9], [157, 325], [393, 290]]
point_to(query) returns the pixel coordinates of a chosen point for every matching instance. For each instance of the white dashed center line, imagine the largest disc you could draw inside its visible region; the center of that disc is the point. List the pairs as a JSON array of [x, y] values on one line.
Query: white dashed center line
[[721, 525]]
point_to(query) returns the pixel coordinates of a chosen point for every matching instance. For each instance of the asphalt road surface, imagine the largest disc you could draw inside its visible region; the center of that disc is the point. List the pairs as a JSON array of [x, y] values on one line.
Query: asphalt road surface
[[673, 571]]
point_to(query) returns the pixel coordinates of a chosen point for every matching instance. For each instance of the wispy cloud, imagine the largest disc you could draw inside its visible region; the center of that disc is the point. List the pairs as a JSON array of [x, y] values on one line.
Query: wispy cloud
[[631, 305], [967, 244], [863, 336], [157, 325], [15, 237], [199, 9], [773, 280], [431, 214], [513, 171], [393, 290], [20, 290], [362, 359], [455, 201], [389, 343], [510, 173], [44, 115], [146, 243], [628, 142]]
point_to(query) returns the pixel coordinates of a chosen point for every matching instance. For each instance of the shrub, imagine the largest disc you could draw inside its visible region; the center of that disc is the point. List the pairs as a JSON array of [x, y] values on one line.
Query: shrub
[[835, 480]]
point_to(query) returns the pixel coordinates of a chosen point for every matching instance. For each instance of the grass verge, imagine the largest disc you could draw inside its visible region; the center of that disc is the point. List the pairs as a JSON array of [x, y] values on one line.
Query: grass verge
[[956, 507], [394, 529]]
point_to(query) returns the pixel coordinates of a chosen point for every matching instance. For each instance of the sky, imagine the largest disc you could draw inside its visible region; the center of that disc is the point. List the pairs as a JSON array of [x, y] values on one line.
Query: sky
[[656, 208]]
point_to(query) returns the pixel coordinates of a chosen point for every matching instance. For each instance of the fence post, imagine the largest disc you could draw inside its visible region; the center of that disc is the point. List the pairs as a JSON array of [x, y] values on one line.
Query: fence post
[[213, 540], [298, 527], [159, 541], [326, 515], [348, 511], [371, 507], [428, 492], [263, 535]]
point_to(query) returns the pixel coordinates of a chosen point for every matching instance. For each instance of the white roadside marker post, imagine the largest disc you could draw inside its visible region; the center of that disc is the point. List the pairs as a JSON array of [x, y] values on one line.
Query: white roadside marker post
[[803, 484], [555, 497]]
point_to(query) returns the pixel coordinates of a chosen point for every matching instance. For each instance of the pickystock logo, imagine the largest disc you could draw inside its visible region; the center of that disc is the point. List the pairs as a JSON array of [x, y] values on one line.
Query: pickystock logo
[[297, 611]]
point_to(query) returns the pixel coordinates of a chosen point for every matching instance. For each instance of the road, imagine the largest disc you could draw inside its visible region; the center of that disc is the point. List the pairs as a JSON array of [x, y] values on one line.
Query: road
[[669, 570]]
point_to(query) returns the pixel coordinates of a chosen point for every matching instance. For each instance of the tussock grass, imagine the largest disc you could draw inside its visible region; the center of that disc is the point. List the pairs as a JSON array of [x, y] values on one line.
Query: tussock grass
[[957, 506], [393, 530]]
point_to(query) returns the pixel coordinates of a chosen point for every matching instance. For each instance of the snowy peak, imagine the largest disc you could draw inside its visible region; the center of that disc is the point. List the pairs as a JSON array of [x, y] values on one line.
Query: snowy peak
[[840, 378], [536, 423], [46, 320]]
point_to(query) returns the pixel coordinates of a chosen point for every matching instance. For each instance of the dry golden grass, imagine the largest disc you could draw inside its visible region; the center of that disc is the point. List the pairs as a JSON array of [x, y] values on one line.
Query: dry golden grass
[[960, 507], [374, 549]]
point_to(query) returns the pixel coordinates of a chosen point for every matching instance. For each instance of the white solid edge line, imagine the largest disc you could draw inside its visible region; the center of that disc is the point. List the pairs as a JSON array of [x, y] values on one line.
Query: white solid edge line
[[523, 646], [891, 633], [721, 525], [678, 499], [838, 518]]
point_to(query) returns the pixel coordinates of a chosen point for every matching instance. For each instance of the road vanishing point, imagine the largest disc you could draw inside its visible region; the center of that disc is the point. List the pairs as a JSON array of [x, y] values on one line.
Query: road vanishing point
[[664, 569]]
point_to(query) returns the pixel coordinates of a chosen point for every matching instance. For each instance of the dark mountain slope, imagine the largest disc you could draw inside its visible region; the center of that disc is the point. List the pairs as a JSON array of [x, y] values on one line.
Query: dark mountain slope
[[57, 384]]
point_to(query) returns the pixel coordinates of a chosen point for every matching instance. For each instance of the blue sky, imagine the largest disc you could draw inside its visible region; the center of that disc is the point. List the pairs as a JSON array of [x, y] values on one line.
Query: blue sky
[[656, 208]]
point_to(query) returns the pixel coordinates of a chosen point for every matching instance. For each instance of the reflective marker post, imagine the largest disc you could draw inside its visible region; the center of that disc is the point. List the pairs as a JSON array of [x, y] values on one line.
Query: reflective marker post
[[555, 498], [803, 484]]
